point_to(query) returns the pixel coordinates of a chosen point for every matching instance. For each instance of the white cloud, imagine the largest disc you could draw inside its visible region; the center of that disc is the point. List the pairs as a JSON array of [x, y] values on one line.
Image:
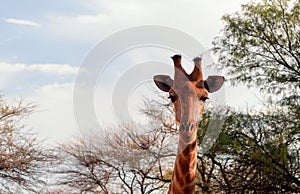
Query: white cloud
[[44, 68], [53, 118], [15, 78], [21, 22], [50, 87]]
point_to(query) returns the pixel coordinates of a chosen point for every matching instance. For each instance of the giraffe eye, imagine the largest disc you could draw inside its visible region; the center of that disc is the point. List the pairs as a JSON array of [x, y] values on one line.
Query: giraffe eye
[[203, 98], [172, 98]]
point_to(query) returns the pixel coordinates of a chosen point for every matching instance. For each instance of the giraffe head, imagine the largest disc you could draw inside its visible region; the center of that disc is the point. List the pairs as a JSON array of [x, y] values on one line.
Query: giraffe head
[[188, 92]]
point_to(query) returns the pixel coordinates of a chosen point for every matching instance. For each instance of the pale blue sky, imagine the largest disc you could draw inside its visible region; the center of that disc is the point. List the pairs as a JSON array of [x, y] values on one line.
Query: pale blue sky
[[39, 44], [43, 43]]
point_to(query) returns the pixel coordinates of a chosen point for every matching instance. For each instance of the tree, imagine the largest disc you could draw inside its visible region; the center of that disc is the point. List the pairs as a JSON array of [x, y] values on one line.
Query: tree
[[130, 159], [260, 46], [257, 152], [81, 169], [122, 162], [23, 160]]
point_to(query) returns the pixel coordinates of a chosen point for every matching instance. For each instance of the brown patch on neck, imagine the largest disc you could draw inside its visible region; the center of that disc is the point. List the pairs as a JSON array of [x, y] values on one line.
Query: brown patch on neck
[[189, 149], [185, 170], [189, 189]]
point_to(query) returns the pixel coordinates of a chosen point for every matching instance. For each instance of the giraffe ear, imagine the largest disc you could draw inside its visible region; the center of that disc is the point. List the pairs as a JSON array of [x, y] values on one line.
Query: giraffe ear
[[163, 82], [212, 83]]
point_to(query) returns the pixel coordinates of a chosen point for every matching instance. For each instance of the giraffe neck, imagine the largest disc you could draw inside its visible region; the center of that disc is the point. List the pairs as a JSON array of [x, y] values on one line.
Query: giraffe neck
[[183, 178]]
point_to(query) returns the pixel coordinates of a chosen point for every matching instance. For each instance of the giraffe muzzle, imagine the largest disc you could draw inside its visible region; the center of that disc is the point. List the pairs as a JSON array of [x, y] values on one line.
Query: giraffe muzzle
[[186, 127]]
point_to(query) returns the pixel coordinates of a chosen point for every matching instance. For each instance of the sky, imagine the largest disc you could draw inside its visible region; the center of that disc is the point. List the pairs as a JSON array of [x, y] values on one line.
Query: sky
[[44, 44]]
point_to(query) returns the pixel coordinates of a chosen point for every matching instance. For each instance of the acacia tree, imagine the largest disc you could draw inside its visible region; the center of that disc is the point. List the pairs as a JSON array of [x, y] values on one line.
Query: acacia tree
[[23, 159], [259, 151], [256, 152], [122, 162], [128, 159], [260, 46]]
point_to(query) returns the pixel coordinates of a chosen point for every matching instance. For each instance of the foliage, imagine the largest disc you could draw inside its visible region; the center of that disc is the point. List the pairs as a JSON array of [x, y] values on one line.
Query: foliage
[[254, 153], [258, 152], [260, 46]]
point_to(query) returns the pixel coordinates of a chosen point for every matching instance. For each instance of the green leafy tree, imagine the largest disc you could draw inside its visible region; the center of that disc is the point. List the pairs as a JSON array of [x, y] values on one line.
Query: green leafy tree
[[260, 46], [256, 152]]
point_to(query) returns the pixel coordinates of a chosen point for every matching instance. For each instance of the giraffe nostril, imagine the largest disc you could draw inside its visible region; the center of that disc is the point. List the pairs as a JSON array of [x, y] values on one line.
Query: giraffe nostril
[[191, 127], [186, 126]]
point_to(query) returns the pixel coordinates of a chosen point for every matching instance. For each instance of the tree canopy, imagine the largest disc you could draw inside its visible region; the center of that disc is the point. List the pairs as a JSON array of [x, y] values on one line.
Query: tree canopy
[[260, 46]]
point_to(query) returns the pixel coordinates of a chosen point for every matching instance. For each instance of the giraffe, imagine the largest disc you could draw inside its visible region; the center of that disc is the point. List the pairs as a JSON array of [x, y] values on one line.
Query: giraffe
[[188, 93]]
